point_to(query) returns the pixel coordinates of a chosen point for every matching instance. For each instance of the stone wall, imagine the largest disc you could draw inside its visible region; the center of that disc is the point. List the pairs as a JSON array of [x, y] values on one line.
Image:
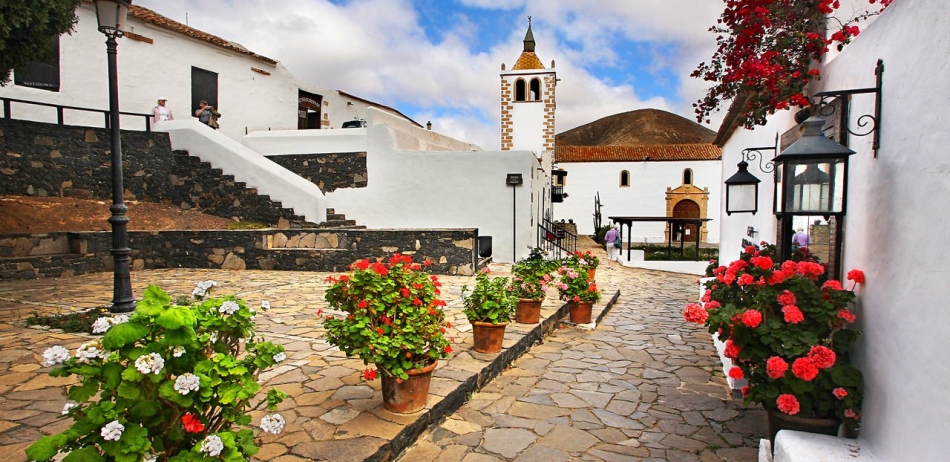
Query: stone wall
[[24, 256], [49, 160], [328, 171]]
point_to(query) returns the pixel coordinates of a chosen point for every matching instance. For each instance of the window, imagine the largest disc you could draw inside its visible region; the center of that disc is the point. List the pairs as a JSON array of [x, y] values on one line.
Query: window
[[688, 176], [204, 86], [520, 90], [624, 179], [535, 89], [40, 74]]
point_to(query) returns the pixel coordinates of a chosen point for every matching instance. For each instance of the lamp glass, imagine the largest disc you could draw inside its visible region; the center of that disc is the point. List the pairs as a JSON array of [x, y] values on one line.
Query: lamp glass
[[741, 198], [814, 186], [111, 14]]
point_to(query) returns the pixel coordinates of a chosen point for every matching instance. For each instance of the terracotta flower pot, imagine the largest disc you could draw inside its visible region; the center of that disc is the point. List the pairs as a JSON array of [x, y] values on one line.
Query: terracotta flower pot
[[591, 273], [779, 420], [580, 312], [528, 311], [488, 337], [410, 395]]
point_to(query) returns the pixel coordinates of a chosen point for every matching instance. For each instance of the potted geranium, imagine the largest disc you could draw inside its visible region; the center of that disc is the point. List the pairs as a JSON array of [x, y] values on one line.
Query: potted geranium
[[585, 261], [171, 381], [788, 334], [488, 307], [579, 291], [530, 284], [392, 318]]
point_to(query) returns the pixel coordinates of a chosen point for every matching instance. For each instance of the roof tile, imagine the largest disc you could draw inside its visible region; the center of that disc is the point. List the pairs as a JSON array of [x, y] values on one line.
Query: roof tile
[[652, 153], [528, 60]]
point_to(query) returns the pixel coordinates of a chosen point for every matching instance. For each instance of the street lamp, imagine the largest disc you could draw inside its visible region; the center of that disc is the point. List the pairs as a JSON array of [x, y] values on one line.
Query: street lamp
[[111, 16], [811, 175], [742, 191]]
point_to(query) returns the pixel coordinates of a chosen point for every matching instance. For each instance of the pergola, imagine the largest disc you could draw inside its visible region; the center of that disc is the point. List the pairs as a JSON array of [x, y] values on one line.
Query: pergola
[[672, 221]]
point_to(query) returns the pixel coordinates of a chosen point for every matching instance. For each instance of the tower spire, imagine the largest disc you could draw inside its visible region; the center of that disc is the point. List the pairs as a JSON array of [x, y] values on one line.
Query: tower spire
[[529, 38]]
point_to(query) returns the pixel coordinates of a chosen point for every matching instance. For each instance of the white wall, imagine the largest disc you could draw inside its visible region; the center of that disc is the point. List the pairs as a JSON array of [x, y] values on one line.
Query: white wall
[[418, 189], [895, 226], [646, 195]]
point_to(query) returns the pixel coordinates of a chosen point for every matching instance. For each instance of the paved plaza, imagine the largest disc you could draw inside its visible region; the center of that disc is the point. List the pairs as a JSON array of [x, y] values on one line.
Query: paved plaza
[[643, 385]]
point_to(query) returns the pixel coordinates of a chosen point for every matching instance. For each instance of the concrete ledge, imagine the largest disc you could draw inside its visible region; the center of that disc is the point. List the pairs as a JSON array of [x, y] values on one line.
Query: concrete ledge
[[794, 446], [456, 398], [687, 267]]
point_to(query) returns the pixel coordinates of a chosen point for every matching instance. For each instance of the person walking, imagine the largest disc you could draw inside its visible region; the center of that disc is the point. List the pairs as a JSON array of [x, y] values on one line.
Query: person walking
[[161, 112], [800, 240], [612, 239]]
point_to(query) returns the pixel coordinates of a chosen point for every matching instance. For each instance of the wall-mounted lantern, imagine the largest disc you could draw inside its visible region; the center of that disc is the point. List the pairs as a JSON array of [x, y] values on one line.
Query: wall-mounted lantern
[[811, 175], [742, 191]]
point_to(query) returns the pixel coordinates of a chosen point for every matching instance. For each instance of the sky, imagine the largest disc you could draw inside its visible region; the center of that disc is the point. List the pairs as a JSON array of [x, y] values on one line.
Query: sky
[[440, 60]]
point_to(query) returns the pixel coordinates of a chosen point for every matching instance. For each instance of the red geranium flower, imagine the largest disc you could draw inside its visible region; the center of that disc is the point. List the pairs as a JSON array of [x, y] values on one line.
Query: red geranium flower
[[847, 315], [736, 373], [793, 315], [192, 423], [732, 350], [840, 393], [776, 367], [786, 298], [752, 318], [857, 276], [788, 404], [831, 284], [369, 374], [822, 356], [695, 313], [805, 369]]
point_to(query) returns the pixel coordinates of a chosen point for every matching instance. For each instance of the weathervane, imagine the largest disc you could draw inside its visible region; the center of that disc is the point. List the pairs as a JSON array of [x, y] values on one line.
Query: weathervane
[[529, 21]]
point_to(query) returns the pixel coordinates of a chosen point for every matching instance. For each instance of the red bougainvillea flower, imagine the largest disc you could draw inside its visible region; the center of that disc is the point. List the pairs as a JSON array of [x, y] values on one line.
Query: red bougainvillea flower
[[786, 298], [369, 374], [788, 404], [736, 373], [192, 423], [752, 318], [822, 356], [732, 350], [793, 315], [695, 313], [805, 369], [776, 367], [857, 276], [847, 315], [840, 393]]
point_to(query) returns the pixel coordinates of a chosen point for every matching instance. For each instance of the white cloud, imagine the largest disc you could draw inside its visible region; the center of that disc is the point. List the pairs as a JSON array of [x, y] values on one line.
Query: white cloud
[[377, 49]]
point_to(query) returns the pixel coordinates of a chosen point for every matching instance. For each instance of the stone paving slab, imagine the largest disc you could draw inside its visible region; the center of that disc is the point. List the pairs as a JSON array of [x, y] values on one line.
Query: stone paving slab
[[332, 413]]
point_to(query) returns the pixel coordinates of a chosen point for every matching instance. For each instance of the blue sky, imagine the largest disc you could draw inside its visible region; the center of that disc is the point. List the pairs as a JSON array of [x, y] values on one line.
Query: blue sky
[[440, 60]]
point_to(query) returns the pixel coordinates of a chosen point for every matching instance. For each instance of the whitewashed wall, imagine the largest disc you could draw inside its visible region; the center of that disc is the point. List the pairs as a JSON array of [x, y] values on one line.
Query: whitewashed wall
[[895, 226], [419, 189], [646, 195]]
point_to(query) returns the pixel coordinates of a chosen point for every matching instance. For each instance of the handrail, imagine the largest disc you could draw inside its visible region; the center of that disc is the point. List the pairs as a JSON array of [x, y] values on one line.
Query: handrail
[[555, 239], [7, 112]]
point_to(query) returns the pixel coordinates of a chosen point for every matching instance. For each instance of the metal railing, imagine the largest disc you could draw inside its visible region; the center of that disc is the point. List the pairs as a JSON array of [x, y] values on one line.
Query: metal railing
[[555, 240], [60, 111]]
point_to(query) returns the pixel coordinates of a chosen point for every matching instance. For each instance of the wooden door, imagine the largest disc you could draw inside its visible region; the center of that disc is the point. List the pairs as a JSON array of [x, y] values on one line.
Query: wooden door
[[687, 209], [204, 86]]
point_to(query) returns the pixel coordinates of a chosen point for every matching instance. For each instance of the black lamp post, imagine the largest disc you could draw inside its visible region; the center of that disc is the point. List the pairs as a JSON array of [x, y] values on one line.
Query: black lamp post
[[742, 191], [111, 16]]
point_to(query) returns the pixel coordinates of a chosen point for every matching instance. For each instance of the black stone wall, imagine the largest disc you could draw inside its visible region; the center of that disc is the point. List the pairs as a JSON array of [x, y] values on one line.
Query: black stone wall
[[49, 160], [328, 171], [24, 256]]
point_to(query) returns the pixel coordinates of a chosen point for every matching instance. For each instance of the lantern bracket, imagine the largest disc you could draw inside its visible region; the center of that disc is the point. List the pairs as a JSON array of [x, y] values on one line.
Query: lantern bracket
[[867, 124], [750, 154]]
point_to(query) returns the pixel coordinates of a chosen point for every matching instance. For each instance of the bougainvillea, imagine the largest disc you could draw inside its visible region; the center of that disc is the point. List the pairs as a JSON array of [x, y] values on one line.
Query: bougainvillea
[[765, 52]]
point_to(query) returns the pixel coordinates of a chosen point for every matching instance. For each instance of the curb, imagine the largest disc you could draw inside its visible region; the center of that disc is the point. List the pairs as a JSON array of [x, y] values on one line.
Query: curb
[[454, 400]]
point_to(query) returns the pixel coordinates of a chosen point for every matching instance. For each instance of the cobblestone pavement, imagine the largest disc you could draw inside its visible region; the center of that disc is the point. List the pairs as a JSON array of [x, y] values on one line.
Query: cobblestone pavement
[[644, 386]]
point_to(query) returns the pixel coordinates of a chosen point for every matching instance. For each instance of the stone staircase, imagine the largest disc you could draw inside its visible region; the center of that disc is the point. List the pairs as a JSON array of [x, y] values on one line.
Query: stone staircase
[[338, 220]]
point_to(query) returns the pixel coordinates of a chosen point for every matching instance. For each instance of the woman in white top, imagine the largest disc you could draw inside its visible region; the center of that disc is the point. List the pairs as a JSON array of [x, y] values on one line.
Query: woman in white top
[[161, 112]]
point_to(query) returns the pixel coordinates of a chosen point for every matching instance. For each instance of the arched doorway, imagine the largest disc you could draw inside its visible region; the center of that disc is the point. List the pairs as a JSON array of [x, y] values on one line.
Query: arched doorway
[[686, 209]]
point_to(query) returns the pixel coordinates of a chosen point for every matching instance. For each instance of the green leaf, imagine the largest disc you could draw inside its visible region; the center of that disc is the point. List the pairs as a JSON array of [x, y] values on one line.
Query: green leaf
[[176, 318], [167, 391], [846, 376], [124, 334], [43, 449], [129, 390], [132, 374], [145, 409], [154, 300], [82, 393], [184, 336], [87, 454], [111, 375]]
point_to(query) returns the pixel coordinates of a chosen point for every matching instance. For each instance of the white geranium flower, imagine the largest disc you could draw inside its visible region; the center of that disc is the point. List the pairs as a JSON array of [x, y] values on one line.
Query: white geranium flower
[[88, 352], [203, 288], [265, 305], [112, 431], [229, 307], [212, 445], [150, 458], [101, 325], [120, 319], [213, 337], [67, 407], [186, 383], [178, 351], [280, 357], [272, 423], [150, 363], [55, 355]]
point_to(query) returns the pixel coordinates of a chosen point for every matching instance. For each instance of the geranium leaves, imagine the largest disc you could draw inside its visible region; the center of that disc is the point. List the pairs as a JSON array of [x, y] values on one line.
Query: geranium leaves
[[124, 334]]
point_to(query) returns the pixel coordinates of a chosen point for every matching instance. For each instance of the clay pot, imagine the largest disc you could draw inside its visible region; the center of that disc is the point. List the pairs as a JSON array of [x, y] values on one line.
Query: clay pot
[[779, 420], [528, 311], [410, 395], [580, 312], [591, 273], [488, 337]]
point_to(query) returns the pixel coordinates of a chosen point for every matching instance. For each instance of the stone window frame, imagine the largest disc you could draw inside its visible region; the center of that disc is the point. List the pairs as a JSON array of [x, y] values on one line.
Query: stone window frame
[[687, 176], [624, 178]]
